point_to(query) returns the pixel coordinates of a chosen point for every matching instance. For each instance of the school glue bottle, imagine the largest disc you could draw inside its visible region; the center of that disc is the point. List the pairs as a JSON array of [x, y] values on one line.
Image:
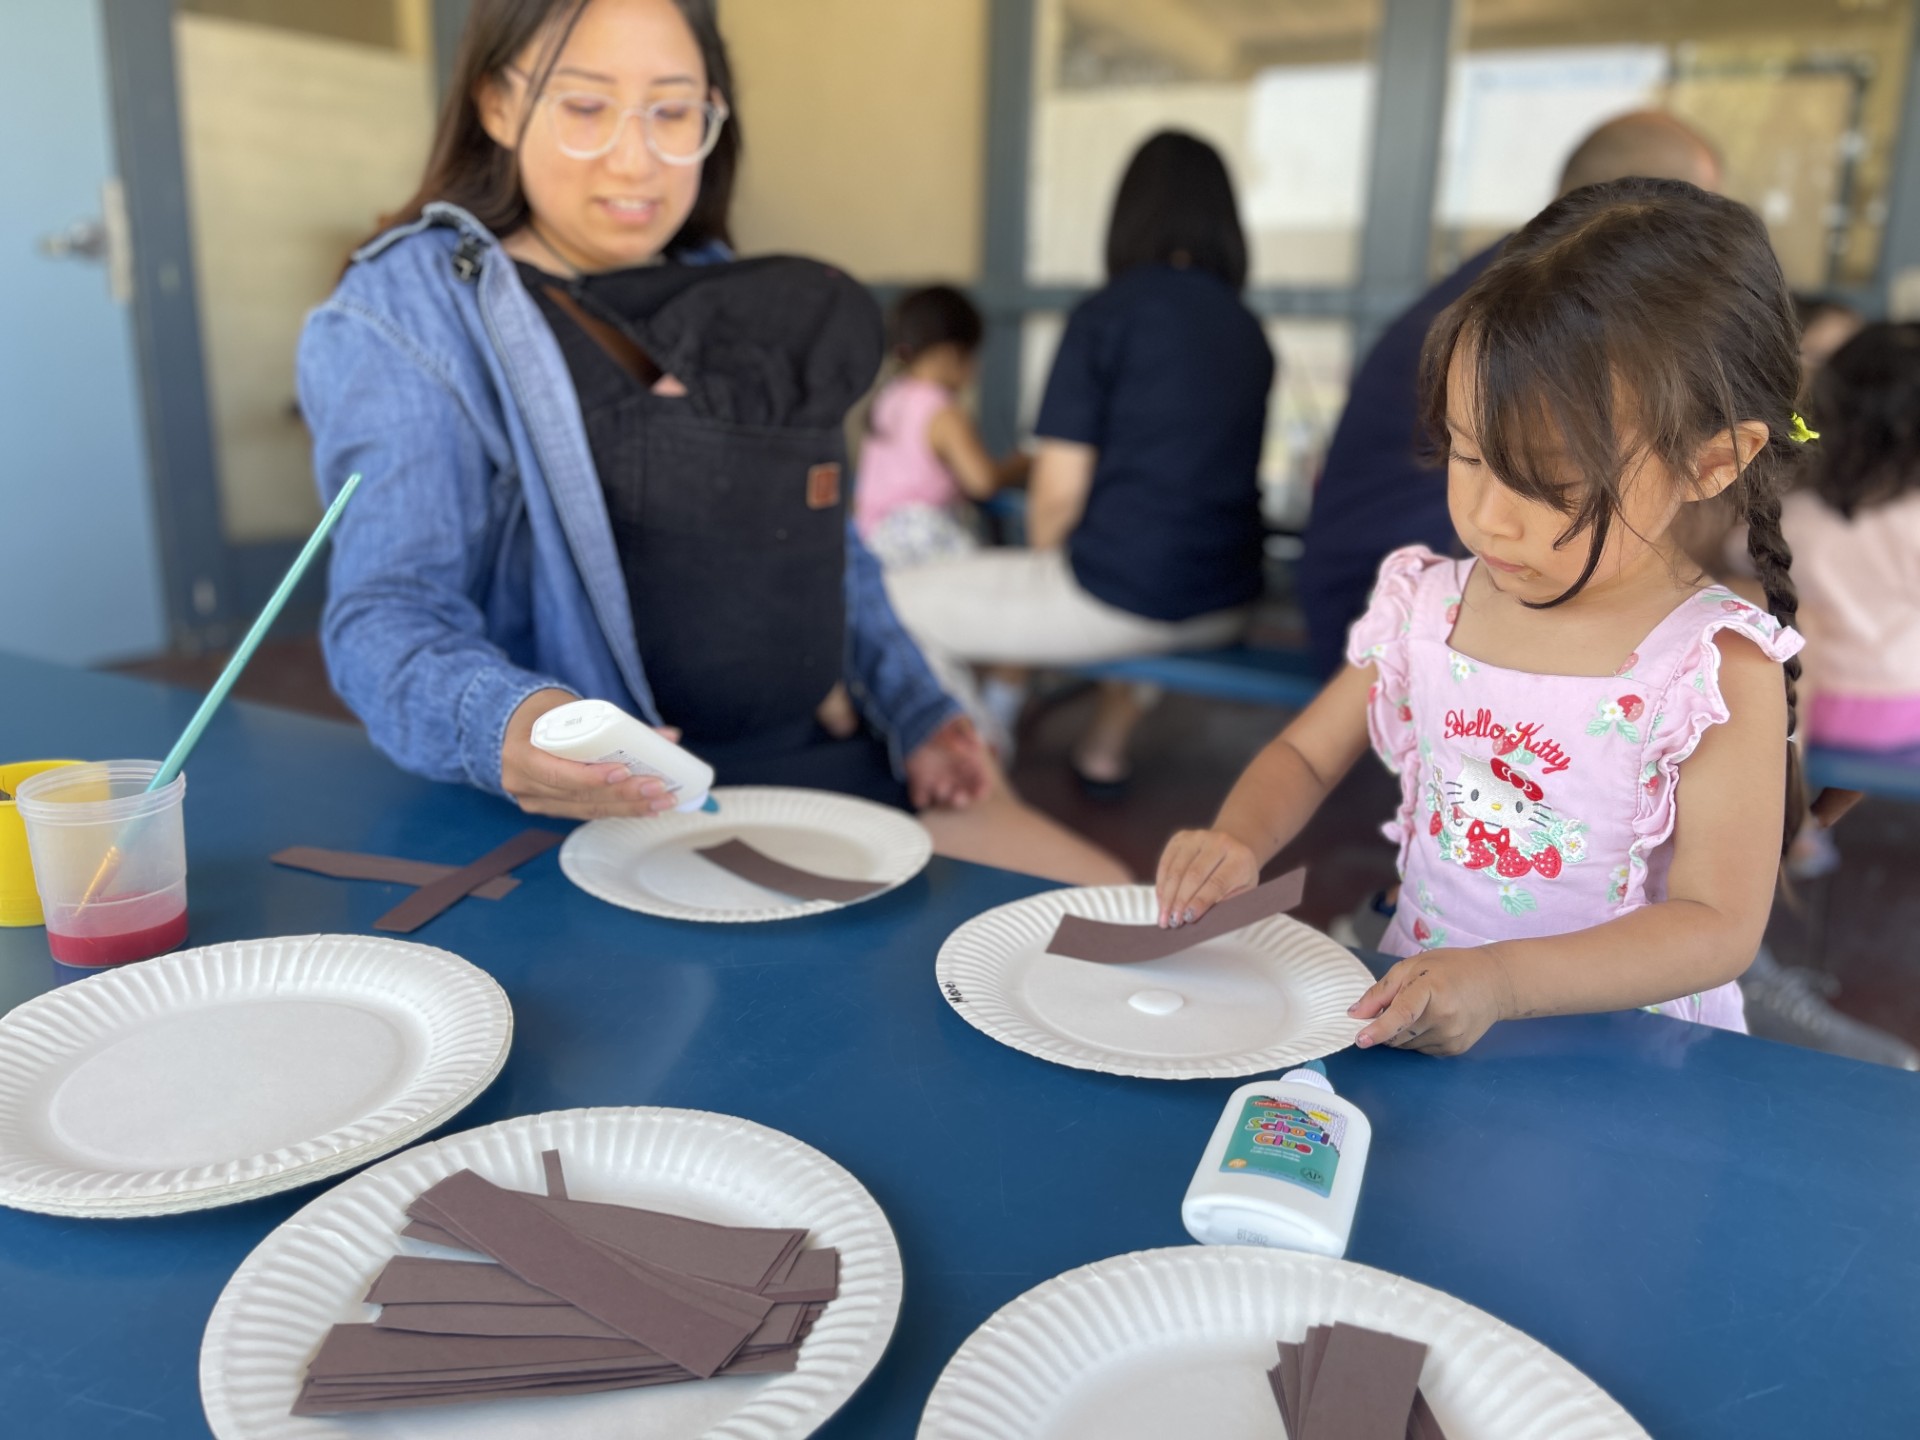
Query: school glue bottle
[[1283, 1167], [598, 733]]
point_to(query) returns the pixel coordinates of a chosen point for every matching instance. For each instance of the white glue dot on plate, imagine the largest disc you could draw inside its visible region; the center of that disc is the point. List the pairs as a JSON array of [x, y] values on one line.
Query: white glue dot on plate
[[1156, 1002]]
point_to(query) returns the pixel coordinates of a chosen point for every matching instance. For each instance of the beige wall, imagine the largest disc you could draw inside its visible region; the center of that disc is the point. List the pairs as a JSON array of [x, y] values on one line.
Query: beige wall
[[865, 126]]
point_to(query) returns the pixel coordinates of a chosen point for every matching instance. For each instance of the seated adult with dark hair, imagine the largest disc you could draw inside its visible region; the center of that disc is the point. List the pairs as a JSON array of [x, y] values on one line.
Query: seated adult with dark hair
[[1144, 502], [1376, 493]]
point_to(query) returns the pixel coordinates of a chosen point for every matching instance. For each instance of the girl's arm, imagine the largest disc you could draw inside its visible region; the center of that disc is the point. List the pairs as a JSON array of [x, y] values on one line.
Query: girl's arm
[[957, 444], [1726, 854], [1057, 491], [1270, 804]]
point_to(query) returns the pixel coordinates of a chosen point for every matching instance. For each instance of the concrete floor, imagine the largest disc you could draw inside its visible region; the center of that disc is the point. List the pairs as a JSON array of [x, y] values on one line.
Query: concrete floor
[[1859, 925]]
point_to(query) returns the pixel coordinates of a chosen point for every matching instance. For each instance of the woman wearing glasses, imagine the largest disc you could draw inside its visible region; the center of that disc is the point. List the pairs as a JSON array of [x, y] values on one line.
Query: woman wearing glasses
[[601, 458]]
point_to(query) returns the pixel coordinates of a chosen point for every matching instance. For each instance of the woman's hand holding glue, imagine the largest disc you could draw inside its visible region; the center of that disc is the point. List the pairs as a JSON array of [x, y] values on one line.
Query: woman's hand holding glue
[[543, 783]]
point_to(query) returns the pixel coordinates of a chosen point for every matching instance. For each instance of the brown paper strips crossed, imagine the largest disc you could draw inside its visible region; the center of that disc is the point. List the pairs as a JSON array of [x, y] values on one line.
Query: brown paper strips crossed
[[439, 886]]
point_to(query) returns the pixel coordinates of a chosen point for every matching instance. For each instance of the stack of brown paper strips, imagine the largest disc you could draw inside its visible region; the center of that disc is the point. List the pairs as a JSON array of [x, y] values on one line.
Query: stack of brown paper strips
[[581, 1297], [1346, 1382]]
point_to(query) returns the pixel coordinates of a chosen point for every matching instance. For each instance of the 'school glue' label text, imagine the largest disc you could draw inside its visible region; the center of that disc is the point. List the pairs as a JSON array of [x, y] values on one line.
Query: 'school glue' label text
[[1280, 1139]]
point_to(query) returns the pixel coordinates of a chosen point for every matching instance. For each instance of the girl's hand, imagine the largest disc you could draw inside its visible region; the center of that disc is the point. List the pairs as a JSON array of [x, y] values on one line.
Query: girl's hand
[[1440, 1002], [1199, 869], [543, 784], [951, 769]]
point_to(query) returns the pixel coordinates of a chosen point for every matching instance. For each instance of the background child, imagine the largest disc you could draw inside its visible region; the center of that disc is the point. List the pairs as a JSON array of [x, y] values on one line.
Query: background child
[[921, 459], [1632, 352], [1856, 538]]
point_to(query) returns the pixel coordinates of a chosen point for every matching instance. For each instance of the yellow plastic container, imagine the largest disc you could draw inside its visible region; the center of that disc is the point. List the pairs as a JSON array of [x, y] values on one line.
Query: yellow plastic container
[[19, 901]]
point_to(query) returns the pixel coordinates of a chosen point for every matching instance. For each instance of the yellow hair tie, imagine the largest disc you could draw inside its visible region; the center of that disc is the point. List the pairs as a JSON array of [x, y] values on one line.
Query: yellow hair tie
[[1800, 434]]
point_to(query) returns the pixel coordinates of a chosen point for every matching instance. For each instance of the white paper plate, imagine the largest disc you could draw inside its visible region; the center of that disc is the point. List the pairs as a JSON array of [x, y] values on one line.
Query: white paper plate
[[232, 1071], [1273, 994], [312, 1272], [1179, 1341], [649, 865]]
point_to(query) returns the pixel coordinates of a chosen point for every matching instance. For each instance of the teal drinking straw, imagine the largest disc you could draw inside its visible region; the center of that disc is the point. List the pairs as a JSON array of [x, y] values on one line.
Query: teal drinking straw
[[176, 759]]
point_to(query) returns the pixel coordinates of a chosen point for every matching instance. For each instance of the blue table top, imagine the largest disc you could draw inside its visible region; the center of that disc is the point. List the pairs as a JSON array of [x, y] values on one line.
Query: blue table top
[[1718, 1230]]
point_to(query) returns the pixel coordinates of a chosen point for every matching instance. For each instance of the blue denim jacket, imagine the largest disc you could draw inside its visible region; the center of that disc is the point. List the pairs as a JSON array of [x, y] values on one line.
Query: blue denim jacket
[[476, 564]]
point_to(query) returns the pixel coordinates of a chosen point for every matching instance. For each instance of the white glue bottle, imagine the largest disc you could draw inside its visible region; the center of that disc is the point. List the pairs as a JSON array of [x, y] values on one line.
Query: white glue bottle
[[1283, 1167], [601, 734]]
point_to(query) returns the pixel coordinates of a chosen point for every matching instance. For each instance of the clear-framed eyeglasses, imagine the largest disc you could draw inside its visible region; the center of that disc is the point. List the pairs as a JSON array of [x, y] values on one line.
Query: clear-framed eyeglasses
[[679, 131]]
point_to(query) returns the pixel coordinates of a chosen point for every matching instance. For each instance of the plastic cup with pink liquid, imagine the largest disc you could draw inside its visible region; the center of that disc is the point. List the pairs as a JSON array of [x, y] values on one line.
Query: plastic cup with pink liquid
[[97, 827]]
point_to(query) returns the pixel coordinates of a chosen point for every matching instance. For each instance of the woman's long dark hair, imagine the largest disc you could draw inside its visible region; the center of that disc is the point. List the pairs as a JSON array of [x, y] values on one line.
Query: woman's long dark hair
[[466, 168], [1176, 206], [1866, 406], [1632, 318]]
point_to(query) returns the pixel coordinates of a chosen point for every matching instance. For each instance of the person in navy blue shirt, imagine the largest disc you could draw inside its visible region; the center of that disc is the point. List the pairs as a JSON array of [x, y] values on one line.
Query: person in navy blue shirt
[[1376, 491], [1144, 511]]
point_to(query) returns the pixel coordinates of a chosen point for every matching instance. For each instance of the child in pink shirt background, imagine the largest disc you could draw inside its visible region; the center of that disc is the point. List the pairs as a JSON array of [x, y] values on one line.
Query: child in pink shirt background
[[1855, 533], [921, 459]]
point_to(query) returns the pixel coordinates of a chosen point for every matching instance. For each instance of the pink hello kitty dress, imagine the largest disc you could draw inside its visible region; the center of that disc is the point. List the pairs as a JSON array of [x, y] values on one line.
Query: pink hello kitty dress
[[1537, 804]]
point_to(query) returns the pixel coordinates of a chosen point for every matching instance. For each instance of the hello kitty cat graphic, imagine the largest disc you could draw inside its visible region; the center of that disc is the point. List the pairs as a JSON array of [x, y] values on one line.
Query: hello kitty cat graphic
[[1494, 817]]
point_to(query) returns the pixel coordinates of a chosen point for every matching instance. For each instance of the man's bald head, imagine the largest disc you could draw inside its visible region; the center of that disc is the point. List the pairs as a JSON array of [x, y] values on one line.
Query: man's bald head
[[1646, 142]]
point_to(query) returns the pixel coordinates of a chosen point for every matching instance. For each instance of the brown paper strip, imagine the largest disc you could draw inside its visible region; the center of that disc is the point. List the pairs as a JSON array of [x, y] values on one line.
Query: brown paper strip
[[1363, 1386], [414, 1280], [781, 1327], [1423, 1424], [556, 1176], [432, 1234], [430, 899], [323, 1399], [367, 1350], [1279, 1387], [1104, 942], [353, 865], [494, 1320], [749, 1258], [1285, 1378], [771, 874], [815, 1277], [1312, 1350]]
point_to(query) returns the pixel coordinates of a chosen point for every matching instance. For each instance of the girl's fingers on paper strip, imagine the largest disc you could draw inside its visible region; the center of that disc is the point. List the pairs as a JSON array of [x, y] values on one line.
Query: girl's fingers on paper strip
[[1218, 866], [1174, 861], [1226, 880]]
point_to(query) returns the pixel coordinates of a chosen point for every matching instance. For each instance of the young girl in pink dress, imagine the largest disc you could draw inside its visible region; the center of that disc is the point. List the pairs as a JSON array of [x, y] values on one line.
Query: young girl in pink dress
[[1548, 702]]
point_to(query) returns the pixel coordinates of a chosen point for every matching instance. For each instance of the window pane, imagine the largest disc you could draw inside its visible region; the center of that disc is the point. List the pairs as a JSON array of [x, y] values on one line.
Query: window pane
[[1283, 89], [1040, 332], [1801, 99], [1309, 392]]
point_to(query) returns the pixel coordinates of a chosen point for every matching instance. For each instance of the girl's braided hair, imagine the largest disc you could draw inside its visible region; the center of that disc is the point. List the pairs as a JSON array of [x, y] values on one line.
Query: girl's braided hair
[[1635, 317]]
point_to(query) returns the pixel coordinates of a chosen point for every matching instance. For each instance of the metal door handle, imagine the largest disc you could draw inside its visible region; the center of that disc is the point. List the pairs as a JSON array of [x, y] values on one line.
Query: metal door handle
[[103, 241], [82, 240]]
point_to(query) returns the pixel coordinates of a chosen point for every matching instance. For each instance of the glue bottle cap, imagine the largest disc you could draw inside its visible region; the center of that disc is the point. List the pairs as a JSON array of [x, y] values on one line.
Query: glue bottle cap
[[1312, 1073]]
